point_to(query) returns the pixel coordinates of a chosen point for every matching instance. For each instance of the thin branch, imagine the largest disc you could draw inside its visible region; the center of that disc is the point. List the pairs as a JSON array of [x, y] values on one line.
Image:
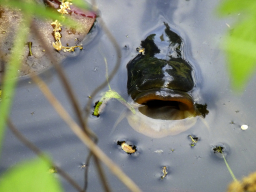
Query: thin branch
[[87, 163], [100, 87], [63, 79], [71, 95], [105, 83], [85, 138], [101, 174], [39, 153]]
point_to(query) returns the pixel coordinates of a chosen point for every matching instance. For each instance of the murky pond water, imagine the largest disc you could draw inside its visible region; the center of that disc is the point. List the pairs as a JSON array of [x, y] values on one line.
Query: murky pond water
[[189, 169]]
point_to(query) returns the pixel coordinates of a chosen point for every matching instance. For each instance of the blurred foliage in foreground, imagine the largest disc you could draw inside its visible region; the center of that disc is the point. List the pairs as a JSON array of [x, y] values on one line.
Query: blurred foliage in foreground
[[32, 175], [240, 43]]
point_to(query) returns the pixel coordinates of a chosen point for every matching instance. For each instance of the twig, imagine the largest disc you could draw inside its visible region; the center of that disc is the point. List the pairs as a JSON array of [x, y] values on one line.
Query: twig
[[83, 137], [105, 83], [101, 174], [39, 153], [63, 79], [100, 87], [71, 95], [87, 163]]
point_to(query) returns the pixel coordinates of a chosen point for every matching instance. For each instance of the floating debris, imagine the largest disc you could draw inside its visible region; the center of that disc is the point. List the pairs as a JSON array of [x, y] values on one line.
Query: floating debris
[[172, 150], [194, 140], [141, 50], [57, 36], [129, 149], [164, 172], [65, 4], [159, 151], [218, 149], [244, 127], [30, 49], [82, 166]]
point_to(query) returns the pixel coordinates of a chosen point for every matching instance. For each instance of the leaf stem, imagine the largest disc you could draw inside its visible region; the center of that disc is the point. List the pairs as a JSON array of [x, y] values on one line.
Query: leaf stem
[[229, 169]]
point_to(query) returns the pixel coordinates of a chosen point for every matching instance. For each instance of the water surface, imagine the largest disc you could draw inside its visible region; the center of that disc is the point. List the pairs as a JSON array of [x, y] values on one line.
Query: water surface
[[189, 169]]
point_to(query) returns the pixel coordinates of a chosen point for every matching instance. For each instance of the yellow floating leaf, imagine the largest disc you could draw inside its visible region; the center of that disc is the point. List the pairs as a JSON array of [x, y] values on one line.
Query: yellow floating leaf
[[127, 148]]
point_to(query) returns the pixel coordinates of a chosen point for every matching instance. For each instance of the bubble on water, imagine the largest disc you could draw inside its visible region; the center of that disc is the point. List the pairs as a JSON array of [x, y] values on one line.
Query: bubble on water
[[244, 127]]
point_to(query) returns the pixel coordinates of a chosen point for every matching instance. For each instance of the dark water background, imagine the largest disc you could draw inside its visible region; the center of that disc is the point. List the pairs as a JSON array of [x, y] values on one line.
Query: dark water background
[[189, 169]]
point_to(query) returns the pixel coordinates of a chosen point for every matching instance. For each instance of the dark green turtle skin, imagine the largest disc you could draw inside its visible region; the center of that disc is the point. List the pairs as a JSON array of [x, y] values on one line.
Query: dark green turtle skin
[[161, 67]]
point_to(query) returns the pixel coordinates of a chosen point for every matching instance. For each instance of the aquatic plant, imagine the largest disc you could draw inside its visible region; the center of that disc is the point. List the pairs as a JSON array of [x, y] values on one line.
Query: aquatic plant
[[110, 94], [220, 149]]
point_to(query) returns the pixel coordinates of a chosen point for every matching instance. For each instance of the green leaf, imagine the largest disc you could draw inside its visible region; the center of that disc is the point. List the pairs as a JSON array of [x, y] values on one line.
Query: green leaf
[[228, 7], [81, 4], [110, 94], [32, 175], [240, 47], [240, 43]]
